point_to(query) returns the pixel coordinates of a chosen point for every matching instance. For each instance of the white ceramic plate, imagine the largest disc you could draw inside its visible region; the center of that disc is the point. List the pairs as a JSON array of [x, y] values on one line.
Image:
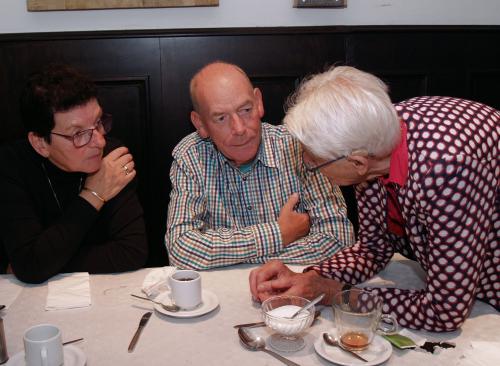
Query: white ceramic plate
[[209, 302], [379, 351], [73, 356]]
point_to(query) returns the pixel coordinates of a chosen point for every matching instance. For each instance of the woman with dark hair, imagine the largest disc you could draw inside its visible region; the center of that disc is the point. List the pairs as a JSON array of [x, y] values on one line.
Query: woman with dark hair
[[426, 172], [68, 194]]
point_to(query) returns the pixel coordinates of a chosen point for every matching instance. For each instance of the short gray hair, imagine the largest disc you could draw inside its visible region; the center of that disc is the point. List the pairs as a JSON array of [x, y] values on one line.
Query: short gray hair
[[343, 110]]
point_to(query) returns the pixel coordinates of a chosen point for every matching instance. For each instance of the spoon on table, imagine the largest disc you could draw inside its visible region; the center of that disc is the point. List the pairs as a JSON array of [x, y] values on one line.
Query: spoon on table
[[307, 306], [172, 308], [259, 344], [317, 313], [333, 342]]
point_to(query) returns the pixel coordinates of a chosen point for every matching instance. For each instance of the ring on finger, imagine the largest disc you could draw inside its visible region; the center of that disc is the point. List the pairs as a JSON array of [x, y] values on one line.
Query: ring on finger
[[125, 169]]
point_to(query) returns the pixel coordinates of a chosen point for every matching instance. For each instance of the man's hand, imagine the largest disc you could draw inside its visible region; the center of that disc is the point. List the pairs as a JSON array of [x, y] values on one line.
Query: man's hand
[[272, 270], [112, 176], [275, 278], [293, 225]]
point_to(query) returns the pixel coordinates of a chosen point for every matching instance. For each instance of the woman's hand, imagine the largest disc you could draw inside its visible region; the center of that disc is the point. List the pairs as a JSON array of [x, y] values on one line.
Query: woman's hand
[[116, 171]]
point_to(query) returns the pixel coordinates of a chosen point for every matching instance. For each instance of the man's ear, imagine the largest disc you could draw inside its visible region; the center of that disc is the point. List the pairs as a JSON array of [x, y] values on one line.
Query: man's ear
[[199, 125], [360, 164], [39, 144], [260, 104]]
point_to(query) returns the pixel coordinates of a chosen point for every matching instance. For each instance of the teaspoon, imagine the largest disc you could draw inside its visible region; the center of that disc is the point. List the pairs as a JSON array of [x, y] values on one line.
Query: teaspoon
[[172, 308], [259, 344], [307, 306], [333, 342]]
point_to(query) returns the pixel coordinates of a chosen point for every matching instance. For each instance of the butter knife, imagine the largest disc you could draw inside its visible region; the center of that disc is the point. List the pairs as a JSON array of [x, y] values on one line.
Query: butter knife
[[142, 324]]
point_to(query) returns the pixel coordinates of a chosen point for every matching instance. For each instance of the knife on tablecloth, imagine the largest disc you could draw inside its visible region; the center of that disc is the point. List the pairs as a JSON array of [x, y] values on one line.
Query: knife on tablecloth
[[142, 324]]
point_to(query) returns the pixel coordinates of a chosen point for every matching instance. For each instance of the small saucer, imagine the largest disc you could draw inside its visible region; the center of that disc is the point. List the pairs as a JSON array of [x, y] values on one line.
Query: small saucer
[[379, 351], [73, 356], [209, 302]]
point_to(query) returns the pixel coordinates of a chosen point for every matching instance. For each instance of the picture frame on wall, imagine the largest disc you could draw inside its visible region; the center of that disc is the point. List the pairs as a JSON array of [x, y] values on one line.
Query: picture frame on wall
[[50, 5]]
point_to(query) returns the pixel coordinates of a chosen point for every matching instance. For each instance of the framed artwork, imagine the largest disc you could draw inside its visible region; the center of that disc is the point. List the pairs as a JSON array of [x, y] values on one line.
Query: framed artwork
[[47, 5]]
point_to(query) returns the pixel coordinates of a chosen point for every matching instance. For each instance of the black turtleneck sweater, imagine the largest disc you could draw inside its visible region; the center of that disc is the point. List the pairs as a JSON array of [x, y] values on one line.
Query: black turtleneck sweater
[[49, 230]]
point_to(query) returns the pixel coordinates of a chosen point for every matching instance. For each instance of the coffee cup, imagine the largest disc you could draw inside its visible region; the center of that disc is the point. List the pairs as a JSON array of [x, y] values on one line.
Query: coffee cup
[[358, 317], [185, 287], [43, 346]]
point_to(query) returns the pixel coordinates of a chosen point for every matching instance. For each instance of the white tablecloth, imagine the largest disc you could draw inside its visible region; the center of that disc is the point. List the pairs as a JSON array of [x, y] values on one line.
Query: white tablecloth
[[109, 323]]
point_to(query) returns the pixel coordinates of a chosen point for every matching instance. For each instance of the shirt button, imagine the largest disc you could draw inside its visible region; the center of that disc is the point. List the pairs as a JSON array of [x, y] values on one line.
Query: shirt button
[[249, 208], [244, 179]]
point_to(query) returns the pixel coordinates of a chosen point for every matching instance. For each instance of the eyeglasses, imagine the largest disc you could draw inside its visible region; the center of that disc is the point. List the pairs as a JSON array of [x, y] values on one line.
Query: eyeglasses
[[82, 138], [312, 168]]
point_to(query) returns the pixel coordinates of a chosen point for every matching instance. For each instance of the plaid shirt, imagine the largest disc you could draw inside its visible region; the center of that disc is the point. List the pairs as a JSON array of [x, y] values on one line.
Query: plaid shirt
[[220, 216]]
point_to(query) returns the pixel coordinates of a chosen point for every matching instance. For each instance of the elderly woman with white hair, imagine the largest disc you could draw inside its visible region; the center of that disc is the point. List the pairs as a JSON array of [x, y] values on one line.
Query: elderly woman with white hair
[[426, 172]]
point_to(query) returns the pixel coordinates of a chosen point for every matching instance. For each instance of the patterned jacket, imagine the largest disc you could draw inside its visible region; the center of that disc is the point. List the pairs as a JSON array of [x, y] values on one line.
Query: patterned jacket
[[450, 207]]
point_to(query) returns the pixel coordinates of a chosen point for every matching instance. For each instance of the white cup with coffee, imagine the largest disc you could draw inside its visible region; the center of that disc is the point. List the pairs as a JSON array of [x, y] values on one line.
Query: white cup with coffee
[[358, 317], [185, 287], [43, 346]]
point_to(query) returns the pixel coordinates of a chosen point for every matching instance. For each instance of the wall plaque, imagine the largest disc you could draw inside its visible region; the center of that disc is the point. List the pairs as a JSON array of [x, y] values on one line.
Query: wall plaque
[[46, 5]]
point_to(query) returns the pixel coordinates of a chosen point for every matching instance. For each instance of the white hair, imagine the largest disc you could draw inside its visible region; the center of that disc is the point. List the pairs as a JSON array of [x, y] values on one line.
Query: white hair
[[343, 110]]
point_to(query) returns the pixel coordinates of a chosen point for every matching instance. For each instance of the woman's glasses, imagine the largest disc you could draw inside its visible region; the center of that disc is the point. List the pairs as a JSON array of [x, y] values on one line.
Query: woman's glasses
[[82, 138]]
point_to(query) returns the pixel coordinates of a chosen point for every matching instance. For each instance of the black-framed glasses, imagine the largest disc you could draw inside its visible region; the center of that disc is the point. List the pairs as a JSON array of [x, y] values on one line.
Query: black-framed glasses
[[313, 168], [82, 138]]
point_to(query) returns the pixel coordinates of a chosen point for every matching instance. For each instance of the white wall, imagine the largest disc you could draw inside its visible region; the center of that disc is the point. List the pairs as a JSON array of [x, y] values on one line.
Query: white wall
[[253, 13]]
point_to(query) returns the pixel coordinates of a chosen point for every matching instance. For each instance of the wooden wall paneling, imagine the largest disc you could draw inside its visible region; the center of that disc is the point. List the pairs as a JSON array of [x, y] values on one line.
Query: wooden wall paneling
[[483, 67], [401, 59], [483, 85], [276, 89]]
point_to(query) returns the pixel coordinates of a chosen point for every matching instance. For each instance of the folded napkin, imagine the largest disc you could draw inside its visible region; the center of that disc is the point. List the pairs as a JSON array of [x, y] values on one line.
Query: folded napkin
[[10, 288], [68, 291], [480, 353], [156, 281]]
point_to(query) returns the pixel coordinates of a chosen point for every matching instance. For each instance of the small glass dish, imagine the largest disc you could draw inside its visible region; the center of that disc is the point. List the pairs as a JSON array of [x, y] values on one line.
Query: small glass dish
[[276, 311]]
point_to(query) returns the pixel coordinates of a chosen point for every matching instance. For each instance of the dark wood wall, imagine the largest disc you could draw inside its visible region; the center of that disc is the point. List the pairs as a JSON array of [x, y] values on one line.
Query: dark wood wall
[[143, 78]]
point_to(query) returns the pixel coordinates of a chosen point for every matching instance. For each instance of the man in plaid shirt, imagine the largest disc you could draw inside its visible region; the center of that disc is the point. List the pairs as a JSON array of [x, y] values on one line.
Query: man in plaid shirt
[[240, 191]]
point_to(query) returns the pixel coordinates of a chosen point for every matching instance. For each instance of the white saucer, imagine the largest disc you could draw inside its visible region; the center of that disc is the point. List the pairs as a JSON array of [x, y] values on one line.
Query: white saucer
[[209, 302], [73, 356], [379, 351]]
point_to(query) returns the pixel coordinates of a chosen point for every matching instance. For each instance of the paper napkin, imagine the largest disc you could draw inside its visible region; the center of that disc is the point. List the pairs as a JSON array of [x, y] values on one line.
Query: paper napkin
[[68, 291], [156, 281]]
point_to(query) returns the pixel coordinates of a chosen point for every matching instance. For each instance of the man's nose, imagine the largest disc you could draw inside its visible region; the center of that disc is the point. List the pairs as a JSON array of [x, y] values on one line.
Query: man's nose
[[237, 125]]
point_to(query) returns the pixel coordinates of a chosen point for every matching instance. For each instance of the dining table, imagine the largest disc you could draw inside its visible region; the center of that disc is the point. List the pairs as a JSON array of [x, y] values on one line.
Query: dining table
[[108, 324]]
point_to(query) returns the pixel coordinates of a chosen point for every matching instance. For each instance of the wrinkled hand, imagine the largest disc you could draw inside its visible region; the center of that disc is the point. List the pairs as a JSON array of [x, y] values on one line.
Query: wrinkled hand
[[293, 225], [112, 176], [275, 278]]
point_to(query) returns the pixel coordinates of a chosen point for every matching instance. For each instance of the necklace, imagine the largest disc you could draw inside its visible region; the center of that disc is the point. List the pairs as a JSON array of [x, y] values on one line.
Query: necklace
[[52, 187]]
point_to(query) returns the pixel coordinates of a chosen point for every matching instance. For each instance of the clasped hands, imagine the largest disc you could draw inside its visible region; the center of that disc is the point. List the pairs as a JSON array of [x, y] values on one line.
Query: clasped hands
[[275, 278]]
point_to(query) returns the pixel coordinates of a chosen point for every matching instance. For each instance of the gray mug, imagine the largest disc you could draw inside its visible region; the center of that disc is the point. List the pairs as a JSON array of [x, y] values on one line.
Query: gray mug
[[43, 346]]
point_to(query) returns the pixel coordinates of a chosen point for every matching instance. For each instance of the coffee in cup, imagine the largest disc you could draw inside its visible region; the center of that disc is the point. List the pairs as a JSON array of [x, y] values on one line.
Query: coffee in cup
[[358, 317], [43, 346], [185, 286]]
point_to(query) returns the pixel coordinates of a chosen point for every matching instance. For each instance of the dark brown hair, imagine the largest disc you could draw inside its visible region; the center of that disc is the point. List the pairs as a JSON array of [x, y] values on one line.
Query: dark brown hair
[[57, 88]]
